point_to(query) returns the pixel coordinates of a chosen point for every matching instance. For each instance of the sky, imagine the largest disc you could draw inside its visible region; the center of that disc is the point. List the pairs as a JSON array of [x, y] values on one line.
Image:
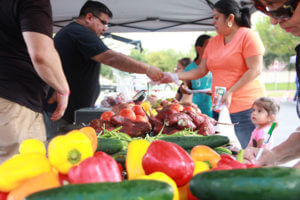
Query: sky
[[156, 41]]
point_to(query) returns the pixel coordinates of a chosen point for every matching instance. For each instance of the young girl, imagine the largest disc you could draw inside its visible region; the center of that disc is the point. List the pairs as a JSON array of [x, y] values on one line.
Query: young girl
[[182, 63], [263, 114]]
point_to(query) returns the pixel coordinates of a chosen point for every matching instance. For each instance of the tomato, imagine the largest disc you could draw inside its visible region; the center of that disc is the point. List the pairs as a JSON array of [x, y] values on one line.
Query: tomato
[[188, 108], [107, 115], [176, 107], [138, 110], [127, 113], [140, 118]]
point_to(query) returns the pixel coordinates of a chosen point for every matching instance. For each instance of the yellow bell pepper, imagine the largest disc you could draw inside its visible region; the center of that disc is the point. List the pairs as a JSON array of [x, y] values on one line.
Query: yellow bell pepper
[[200, 166], [135, 153], [65, 151], [20, 168], [32, 145], [160, 176], [146, 106]]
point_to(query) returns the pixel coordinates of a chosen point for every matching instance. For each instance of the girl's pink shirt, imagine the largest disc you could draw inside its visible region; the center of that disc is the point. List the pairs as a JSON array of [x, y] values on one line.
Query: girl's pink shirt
[[260, 133]]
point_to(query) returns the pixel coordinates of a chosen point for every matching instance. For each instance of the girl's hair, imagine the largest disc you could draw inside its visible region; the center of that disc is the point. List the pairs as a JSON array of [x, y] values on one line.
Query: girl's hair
[[185, 61], [271, 106], [241, 15]]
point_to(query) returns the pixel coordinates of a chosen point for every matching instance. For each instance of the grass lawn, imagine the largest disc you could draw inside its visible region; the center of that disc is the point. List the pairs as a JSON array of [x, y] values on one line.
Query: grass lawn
[[280, 86]]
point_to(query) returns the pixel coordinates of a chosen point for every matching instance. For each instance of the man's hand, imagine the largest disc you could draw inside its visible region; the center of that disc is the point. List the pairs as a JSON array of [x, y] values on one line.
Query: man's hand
[[62, 103], [169, 77], [267, 158], [154, 73]]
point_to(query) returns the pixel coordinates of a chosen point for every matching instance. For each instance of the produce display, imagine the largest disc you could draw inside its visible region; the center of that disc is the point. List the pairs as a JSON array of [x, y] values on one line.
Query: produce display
[[138, 152]]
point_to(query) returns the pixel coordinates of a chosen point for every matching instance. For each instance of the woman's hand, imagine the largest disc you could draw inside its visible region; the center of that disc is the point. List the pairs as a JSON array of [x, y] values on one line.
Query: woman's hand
[[226, 99]]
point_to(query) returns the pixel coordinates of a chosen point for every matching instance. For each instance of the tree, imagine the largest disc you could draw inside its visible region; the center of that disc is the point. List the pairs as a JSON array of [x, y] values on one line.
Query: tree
[[278, 43], [164, 59]]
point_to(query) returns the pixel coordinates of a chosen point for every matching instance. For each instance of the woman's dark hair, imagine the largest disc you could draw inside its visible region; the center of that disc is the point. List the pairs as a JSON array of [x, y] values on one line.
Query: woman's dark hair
[[241, 15], [94, 7], [200, 42]]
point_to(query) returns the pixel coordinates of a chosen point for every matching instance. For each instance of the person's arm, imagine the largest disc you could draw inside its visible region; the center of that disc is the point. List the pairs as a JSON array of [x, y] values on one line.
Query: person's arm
[[187, 98], [254, 64], [196, 73], [128, 64], [48, 66], [289, 149], [284, 152]]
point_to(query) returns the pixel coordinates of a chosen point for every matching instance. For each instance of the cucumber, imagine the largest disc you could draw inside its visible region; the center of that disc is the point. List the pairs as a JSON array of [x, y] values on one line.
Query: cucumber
[[222, 150], [188, 142], [126, 190], [109, 145], [274, 183], [120, 156]]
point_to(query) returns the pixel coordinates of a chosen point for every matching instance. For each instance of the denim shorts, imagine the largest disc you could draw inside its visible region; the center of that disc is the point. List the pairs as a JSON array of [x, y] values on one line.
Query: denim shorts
[[244, 129]]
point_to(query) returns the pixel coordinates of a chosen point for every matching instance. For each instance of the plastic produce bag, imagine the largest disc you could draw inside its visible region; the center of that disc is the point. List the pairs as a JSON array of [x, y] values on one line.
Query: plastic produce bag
[[227, 130], [124, 85]]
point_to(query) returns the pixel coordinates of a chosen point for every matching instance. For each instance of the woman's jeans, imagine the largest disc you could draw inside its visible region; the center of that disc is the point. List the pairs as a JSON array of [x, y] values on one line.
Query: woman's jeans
[[244, 129]]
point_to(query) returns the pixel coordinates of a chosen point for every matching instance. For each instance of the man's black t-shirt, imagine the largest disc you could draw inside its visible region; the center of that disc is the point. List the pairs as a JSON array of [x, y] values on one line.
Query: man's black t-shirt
[[19, 81], [76, 45]]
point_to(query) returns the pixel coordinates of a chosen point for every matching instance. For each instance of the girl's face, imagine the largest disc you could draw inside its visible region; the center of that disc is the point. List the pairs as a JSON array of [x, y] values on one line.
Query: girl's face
[[260, 116], [179, 68]]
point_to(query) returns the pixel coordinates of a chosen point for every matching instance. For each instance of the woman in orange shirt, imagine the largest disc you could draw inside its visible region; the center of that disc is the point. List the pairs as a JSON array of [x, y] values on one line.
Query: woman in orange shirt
[[235, 59]]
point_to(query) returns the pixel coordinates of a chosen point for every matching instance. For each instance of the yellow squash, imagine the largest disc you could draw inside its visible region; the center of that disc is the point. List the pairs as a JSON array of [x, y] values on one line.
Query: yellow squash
[[160, 176], [135, 153], [20, 168]]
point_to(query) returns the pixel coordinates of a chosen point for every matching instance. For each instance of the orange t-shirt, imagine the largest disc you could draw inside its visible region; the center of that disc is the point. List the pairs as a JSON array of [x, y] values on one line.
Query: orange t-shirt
[[227, 64]]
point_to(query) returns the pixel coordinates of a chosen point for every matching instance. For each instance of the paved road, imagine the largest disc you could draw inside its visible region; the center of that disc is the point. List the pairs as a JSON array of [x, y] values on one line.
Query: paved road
[[288, 121]]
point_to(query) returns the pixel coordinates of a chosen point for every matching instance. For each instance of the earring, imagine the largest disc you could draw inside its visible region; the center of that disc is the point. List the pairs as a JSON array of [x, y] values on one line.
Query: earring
[[229, 24]]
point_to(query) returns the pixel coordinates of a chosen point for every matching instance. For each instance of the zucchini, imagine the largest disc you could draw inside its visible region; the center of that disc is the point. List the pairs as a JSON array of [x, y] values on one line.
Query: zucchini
[[188, 142], [109, 145], [126, 190], [275, 183], [222, 150]]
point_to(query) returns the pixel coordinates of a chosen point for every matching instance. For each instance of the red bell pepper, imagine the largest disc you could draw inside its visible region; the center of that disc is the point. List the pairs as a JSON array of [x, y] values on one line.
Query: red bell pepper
[[171, 159], [251, 165], [3, 195], [227, 162], [63, 179], [100, 168]]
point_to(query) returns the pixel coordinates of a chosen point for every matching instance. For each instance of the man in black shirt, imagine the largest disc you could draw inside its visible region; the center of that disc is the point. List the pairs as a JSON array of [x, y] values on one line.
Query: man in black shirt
[[28, 62], [81, 51]]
